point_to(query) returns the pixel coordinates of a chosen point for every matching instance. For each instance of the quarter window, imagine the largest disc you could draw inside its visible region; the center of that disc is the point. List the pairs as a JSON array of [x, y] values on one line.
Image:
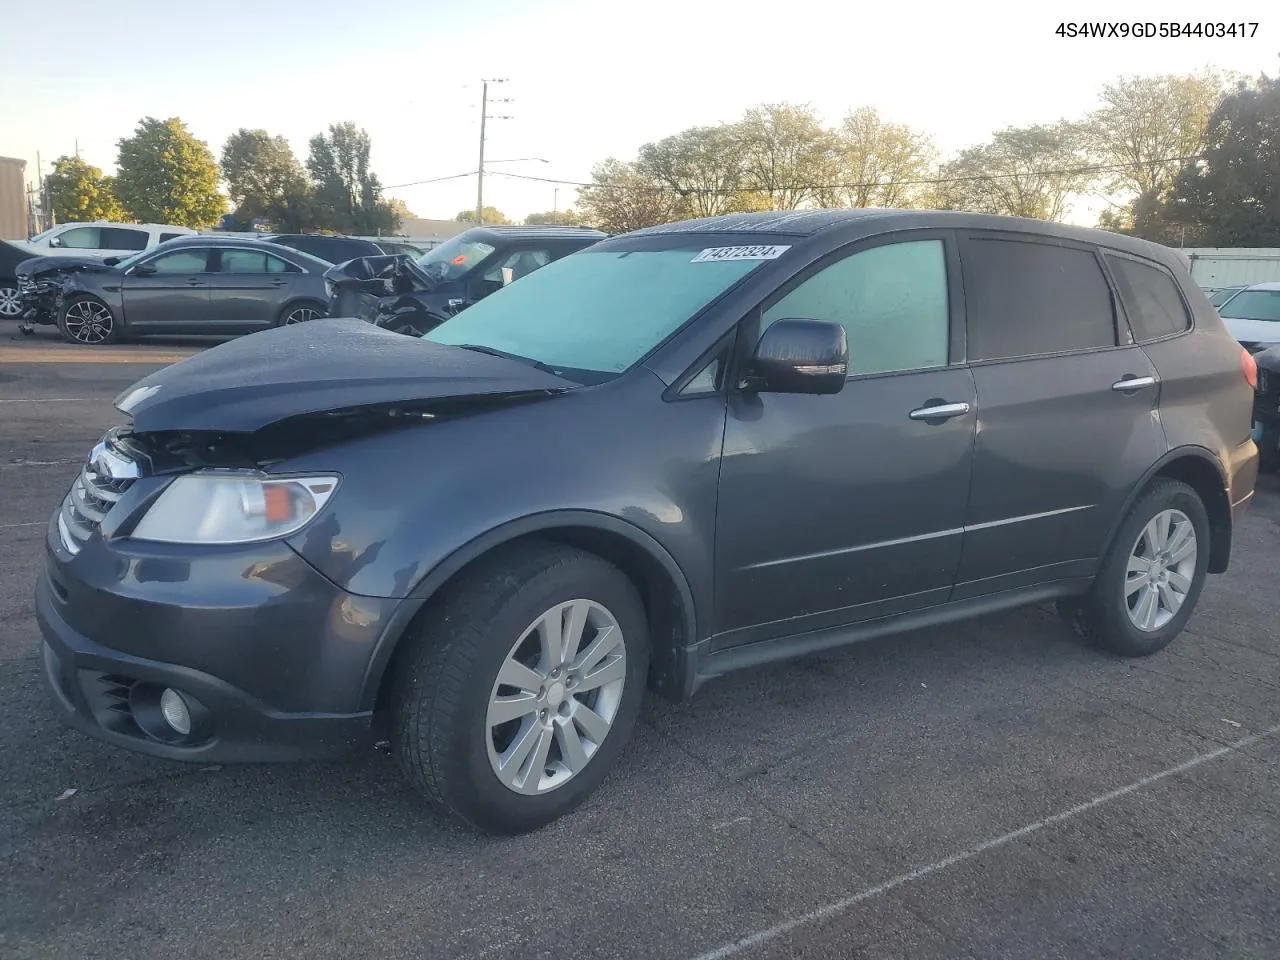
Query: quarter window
[[1024, 299], [1150, 297], [891, 301]]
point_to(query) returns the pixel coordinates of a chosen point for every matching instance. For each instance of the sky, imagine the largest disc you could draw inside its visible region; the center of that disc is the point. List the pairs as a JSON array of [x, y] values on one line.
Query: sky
[[587, 79]]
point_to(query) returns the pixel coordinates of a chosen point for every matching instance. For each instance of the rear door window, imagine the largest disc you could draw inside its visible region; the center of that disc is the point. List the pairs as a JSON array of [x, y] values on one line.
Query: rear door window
[[166, 237], [252, 261], [1027, 298], [123, 238], [1150, 297]]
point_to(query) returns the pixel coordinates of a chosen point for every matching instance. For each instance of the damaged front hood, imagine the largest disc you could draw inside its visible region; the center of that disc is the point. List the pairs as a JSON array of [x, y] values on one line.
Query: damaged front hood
[[37, 268], [323, 366]]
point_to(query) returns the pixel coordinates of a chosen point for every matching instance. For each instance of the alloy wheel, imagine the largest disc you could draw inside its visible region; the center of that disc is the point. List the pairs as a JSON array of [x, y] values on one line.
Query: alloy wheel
[[9, 304], [556, 697], [1161, 569], [300, 315], [88, 321]]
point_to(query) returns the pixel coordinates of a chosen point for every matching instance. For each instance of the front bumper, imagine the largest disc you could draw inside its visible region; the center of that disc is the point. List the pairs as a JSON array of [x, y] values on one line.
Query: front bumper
[[269, 655]]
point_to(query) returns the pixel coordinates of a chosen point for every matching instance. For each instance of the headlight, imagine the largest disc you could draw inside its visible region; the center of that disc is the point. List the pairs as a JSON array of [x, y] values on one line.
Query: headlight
[[236, 508], [329, 289]]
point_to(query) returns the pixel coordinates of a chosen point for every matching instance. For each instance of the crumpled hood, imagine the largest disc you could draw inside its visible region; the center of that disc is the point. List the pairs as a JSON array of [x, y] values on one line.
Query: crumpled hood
[[35, 266], [316, 367]]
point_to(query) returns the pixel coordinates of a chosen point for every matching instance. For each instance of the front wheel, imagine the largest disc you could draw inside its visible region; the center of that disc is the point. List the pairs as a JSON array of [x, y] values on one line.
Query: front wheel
[[10, 301], [522, 688], [299, 313], [85, 319], [1152, 576]]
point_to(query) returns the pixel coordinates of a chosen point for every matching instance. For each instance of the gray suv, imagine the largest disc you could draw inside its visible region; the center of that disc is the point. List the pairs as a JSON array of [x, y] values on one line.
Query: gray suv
[[680, 452]]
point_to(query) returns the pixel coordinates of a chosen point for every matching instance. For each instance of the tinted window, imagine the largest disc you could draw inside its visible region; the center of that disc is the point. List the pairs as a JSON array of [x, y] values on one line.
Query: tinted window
[[1253, 305], [517, 264], [891, 301], [1150, 297], [180, 261], [80, 238], [251, 261], [121, 238], [165, 237], [1027, 298]]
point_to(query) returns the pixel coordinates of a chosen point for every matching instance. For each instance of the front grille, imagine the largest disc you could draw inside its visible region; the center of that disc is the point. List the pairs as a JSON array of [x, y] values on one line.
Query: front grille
[[104, 478]]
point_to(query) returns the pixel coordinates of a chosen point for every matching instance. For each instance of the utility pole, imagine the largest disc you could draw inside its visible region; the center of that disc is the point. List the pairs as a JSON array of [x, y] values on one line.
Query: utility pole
[[484, 116]]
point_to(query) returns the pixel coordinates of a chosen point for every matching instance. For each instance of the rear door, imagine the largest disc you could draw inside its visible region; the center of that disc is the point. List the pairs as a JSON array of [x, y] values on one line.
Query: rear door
[[248, 288], [1067, 403], [171, 294], [121, 241]]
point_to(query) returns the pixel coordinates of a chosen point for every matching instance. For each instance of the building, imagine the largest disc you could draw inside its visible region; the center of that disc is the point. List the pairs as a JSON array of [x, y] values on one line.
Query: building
[[13, 199]]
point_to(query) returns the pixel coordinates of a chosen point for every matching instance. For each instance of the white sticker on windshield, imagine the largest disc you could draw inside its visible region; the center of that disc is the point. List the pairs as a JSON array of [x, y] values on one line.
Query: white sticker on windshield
[[740, 253]]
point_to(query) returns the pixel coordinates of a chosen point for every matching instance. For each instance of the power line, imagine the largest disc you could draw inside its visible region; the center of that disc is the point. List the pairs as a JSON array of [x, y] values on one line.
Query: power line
[[416, 183], [923, 181]]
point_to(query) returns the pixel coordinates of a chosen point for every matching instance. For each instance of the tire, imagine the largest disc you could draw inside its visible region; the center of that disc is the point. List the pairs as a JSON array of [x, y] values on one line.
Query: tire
[[9, 308], [443, 732], [86, 320], [1112, 610], [300, 312]]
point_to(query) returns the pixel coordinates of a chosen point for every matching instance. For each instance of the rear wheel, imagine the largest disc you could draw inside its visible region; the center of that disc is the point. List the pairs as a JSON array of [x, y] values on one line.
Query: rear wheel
[[1152, 576], [300, 313], [522, 688], [85, 319]]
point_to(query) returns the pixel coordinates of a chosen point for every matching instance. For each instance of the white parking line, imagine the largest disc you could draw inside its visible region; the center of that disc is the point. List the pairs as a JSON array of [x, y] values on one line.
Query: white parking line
[[840, 906], [29, 523], [48, 400]]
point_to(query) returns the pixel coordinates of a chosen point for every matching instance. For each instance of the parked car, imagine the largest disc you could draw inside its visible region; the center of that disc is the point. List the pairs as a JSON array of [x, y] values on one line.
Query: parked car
[[412, 296], [680, 452], [1266, 409], [193, 285], [1219, 297], [1253, 316], [400, 247], [324, 247], [89, 242]]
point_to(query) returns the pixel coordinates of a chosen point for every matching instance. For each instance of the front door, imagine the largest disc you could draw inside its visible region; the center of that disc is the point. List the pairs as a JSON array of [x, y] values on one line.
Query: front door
[[248, 289], [168, 292], [835, 509], [1067, 412]]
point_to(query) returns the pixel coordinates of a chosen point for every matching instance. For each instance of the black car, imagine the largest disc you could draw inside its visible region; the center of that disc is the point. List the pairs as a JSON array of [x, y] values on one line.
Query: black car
[[324, 247], [1266, 409], [191, 285], [414, 295], [677, 453]]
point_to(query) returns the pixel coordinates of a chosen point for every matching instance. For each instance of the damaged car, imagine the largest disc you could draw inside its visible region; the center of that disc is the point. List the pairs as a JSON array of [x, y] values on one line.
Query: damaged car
[[411, 295], [678, 453]]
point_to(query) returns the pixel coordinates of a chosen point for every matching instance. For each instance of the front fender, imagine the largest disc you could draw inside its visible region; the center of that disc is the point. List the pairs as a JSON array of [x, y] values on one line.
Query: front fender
[[435, 578]]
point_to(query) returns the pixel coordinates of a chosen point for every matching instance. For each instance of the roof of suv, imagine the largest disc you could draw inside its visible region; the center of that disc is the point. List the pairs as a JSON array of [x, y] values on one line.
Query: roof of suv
[[538, 233], [810, 222]]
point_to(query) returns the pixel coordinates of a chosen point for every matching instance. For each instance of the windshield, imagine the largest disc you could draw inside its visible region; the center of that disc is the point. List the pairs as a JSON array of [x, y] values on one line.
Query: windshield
[[1253, 305], [1220, 297], [453, 258], [124, 263], [41, 235], [596, 311]]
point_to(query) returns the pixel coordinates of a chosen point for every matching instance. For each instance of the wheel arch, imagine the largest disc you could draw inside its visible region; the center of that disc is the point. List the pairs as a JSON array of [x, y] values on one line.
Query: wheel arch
[[1202, 471], [664, 589]]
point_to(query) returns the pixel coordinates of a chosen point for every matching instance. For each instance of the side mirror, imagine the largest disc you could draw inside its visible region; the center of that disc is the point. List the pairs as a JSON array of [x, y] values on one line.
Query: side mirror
[[143, 270], [799, 356], [55, 241]]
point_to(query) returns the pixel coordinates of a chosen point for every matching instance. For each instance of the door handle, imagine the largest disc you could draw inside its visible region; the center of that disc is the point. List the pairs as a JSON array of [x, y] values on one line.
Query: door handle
[[193, 282], [942, 411], [278, 283], [1133, 384]]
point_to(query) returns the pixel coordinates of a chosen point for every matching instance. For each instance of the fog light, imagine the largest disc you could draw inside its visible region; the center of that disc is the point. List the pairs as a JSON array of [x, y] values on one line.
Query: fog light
[[174, 710]]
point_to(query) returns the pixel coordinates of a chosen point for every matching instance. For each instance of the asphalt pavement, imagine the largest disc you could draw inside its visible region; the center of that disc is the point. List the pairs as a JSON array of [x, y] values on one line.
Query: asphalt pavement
[[992, 790]]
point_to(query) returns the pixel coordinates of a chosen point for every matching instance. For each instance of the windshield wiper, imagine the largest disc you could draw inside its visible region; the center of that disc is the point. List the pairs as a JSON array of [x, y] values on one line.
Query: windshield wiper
[[494, 352]]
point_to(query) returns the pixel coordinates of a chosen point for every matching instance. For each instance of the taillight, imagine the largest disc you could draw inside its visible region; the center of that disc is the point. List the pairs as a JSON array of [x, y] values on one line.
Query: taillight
[[1249, 367]]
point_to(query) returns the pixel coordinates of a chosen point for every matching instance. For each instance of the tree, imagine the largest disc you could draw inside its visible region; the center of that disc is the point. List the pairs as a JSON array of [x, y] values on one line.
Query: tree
[[1150, 125], [490, 215], [1021, 172], [622, 198], [702, 164], [348, 194], [553, 218], [876, 162], [265, 180], [79, 191], [787, 155], [165, 175], [1230, 197]]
